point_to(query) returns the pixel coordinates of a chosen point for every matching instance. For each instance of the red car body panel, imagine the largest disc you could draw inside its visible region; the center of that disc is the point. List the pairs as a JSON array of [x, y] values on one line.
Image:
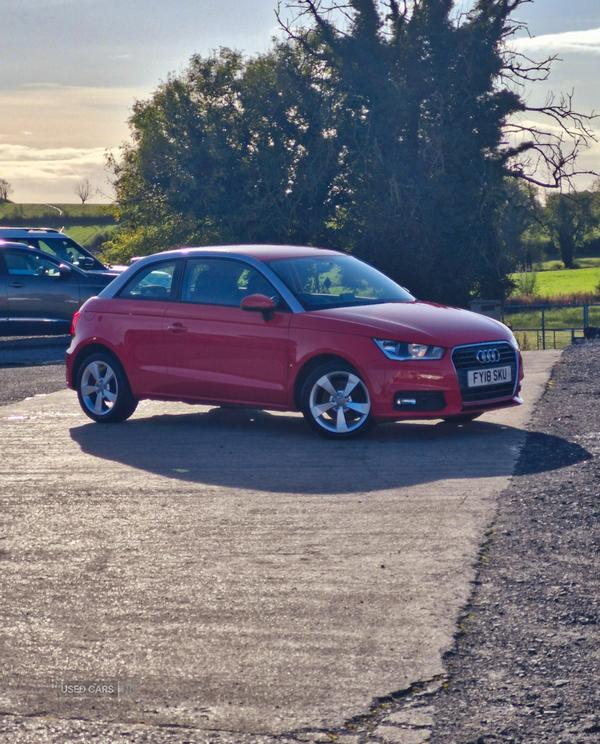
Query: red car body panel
[[418, 322], [133, 330], [349, 332], [226, 355]]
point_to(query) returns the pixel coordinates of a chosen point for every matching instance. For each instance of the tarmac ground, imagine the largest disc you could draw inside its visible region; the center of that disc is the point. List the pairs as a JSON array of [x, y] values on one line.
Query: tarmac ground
[[249, 579]]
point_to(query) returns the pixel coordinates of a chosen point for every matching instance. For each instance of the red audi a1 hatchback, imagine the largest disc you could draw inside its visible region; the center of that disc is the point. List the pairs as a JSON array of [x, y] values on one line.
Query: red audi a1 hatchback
[[286, 328]]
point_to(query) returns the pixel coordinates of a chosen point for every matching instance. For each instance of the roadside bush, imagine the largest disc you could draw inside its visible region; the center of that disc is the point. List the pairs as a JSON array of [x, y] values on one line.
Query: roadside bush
[[576, 298], [525, 282], [97, 241]]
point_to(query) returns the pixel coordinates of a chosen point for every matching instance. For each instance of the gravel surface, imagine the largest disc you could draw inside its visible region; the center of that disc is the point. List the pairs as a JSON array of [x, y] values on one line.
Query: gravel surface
[[31, 366], [527, 664], [18, 383]]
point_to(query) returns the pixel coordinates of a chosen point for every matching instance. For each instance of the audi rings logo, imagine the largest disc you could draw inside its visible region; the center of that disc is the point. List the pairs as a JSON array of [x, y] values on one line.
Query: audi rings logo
[[488, 356]]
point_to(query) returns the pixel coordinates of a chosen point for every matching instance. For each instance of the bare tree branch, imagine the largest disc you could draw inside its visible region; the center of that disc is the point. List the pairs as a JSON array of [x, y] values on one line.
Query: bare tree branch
[[84, 190], [5, 190]]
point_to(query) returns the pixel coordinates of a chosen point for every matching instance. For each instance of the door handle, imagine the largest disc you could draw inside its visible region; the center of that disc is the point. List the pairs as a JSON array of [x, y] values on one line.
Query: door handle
[[177, 328], [16, 284]]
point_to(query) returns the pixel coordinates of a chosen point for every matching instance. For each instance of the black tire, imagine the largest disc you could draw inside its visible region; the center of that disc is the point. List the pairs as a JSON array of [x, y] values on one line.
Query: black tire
[[103, 389], [336, 403], [461, 418]]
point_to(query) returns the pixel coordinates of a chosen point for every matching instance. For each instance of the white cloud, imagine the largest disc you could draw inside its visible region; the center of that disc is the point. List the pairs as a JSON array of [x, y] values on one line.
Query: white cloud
[[13, 156], [42, 174], [569, 41], [71, 130]]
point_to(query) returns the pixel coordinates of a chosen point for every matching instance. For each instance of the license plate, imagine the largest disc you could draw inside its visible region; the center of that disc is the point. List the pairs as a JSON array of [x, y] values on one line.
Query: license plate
[[489, 376]]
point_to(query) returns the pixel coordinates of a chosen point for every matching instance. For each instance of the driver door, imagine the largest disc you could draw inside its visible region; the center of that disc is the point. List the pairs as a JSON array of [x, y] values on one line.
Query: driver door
[[40, 298], [3, 301], [219, 352]]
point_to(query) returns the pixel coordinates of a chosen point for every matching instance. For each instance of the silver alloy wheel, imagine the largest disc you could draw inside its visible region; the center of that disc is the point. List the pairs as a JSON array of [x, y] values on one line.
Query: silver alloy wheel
[[339, 402], [99, 388]]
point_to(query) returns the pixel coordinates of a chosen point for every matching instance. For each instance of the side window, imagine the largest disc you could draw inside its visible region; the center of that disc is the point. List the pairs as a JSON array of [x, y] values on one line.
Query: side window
[[60, 248], [154, 282], [210, 281], [23, 263]]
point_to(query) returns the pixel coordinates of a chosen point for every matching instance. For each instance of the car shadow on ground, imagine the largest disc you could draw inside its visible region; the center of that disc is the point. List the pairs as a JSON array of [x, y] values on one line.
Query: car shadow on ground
[[251, 449]]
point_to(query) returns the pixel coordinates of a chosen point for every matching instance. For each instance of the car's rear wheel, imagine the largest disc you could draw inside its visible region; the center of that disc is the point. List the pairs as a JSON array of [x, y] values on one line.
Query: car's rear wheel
[[103, 389], [335, 402], [461, 418]]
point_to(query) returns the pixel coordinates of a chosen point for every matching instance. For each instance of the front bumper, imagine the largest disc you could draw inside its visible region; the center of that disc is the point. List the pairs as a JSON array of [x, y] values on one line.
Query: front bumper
[[432, 389]]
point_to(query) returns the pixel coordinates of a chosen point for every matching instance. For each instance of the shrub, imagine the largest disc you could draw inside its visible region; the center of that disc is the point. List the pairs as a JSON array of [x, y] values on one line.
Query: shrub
[[95, 243], [525, 283], [576, 298]]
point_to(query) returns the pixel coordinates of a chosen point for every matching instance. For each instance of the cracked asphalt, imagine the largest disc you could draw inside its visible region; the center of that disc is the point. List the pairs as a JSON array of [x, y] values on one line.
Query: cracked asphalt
[[257, 583]]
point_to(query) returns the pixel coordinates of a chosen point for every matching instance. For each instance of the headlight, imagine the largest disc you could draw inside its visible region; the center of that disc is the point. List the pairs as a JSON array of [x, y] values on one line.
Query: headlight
[[401, 351]]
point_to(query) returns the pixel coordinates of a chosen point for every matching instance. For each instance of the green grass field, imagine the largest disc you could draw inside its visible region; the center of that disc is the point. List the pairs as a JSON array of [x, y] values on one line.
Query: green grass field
[[554, 318], [552, 283], [85, 234], [10, 212], [82, 222], [581, 263], [526, 324], [554, 280], [534, 340]]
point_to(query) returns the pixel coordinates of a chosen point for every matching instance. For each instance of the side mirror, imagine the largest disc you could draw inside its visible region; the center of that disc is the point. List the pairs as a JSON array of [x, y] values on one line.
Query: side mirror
[[259, 303], [64, 271]]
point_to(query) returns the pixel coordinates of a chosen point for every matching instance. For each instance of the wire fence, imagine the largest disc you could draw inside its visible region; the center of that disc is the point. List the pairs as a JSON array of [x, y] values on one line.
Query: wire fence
[[550, 326]]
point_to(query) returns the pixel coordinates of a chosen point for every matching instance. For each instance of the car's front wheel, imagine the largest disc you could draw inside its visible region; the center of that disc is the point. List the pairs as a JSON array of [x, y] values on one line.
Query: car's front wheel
[[103, 389], [335, 402]]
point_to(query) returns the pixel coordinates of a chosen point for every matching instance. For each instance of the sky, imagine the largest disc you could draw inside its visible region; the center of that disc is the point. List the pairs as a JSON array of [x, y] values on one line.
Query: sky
[[70, 71]]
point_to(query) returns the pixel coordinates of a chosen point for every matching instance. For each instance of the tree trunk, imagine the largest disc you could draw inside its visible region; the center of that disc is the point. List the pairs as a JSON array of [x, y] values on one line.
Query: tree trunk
[[566, 243]]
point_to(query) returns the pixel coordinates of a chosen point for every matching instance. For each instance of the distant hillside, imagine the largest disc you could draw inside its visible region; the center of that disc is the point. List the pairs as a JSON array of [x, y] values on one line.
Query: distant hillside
[[89, 224], [42, 215]]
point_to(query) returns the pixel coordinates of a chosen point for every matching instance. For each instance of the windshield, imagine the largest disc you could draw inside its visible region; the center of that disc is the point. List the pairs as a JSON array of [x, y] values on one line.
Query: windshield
[[64, 249], [336, 281]]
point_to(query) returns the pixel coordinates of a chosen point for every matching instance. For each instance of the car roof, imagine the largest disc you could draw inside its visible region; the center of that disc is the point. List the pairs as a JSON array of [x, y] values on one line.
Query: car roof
[[259, 252], [23, 232], [20, 246]]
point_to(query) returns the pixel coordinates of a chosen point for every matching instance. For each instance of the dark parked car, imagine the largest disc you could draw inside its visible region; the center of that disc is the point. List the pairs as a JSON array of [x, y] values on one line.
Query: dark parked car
[[60, 246], [39, 294]]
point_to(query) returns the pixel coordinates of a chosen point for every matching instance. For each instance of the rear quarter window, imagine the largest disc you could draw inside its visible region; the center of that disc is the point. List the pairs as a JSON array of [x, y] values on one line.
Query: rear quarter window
[[154, 282]]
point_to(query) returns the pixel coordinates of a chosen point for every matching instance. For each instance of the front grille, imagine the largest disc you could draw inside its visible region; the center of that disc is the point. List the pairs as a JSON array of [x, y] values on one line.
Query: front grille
[[464, 359]]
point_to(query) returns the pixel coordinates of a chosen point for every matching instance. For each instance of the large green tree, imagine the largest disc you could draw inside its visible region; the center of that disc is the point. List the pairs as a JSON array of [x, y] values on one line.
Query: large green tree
[[377, 127], [232, 151], [570, 220]]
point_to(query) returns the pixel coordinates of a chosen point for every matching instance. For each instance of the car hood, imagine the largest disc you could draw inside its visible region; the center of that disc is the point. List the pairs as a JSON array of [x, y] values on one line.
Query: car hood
[[107, 274], [414, 322]]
